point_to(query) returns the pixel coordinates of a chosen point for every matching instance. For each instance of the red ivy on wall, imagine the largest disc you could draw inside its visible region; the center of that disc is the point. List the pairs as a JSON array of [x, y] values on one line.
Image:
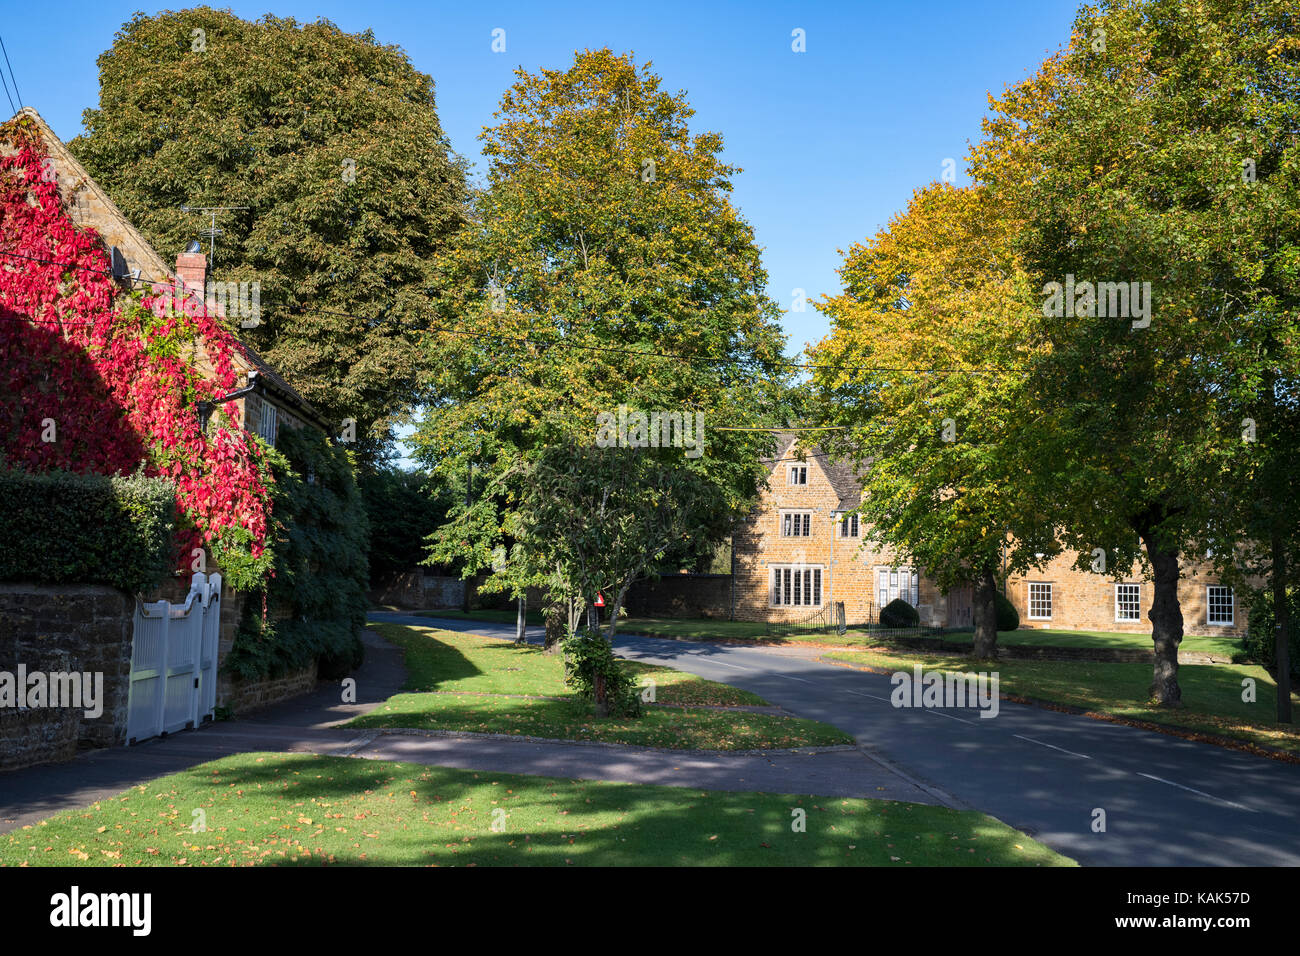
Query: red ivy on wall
[[95, 378]]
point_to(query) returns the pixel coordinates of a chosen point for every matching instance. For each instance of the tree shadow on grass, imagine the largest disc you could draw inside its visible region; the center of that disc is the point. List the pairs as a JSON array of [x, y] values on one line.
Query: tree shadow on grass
[[371, 813]]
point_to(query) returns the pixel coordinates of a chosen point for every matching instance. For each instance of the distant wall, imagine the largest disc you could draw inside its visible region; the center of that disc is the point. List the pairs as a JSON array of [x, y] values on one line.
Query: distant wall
[[418, 591], [681, 595]]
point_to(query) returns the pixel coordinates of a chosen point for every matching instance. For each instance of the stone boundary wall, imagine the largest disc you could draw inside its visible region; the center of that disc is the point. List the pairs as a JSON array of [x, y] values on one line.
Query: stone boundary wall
[[244, 696], [681, 595], [50, 628], [419, 591]]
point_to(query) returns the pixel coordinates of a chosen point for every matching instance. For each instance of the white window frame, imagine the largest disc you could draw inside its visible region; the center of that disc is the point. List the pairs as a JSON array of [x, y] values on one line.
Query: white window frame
[[901, 581], [1137, 608], [852, 529], [1232, 606], [796, 585], [806, 523], [268, 423], [798, 475], [1029, 600]]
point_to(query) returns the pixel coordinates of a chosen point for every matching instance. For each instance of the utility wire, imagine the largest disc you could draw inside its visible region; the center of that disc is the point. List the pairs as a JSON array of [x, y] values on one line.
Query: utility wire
[[11, 74], [544, 343], [12, 108]]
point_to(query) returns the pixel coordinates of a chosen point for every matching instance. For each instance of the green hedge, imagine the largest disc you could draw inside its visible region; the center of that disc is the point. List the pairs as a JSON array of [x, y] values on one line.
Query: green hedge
[[317, 597], [899, 613], [64, 528], [1007, 615], [1260, 642]]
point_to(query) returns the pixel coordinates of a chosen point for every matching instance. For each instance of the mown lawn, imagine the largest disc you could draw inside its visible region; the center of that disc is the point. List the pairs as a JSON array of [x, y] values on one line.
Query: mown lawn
[[532, 618], [307, 810], [466, 682], [1223, 646], [1212, 693]]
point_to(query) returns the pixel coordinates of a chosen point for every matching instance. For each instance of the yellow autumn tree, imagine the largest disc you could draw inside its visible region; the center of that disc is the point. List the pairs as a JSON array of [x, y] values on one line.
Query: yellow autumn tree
[[924, 372]]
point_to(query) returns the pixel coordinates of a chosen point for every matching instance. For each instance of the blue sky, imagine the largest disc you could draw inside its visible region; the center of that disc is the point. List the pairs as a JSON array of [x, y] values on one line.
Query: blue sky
[[832, 141]]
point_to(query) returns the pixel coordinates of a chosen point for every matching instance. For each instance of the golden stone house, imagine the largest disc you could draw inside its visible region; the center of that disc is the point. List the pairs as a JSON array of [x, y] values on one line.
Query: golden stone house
[[802, 549]]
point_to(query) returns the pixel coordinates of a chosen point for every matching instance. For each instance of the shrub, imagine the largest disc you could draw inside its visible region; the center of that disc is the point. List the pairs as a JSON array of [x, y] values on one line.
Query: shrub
[[1259, 641], [1007, 615], [316, 599], [64, 528], [898, 613], [588, 656]]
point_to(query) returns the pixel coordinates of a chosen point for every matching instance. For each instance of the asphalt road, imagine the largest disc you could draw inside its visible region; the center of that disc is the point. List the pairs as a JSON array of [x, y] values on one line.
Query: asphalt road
[[1167, 801]]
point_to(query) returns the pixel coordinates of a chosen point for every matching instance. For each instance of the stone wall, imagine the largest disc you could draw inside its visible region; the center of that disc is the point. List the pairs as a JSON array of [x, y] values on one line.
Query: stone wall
[[681, 595], [244, 696], [65, 628], [1085, 601], [418, 591]]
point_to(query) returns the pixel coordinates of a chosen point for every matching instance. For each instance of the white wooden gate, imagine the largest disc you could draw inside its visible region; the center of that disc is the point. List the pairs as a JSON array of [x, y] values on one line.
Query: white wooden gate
[[174, 662]]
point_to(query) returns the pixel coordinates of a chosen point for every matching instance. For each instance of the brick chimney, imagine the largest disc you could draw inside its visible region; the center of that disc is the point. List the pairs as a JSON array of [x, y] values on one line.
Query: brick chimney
[[192, 270]]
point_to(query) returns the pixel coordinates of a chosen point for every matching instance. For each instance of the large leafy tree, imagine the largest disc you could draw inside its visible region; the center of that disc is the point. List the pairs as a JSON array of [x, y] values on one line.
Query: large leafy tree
[[604, 266], [923, 374], [1158, 148], [333, 142]]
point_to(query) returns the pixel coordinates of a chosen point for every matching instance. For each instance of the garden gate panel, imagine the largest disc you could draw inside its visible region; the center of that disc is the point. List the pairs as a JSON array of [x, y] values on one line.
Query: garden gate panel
[[174, 662]]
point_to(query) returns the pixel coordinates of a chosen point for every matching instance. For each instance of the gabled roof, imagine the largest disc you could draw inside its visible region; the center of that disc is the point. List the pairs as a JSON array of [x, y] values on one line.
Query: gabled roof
[[100, 213], [843, 481]]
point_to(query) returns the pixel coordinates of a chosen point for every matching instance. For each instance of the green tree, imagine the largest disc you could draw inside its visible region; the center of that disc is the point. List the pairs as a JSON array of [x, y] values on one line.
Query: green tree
[[1156, 152], [922, 374], [333, 143], [602, 248], [403, 508], [316, 597]]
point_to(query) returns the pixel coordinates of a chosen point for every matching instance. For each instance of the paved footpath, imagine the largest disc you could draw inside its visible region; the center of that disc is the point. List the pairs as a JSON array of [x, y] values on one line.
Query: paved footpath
[[310, 724]]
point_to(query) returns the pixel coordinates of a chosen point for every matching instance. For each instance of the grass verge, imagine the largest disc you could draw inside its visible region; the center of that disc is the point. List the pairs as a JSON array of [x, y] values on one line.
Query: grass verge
[[466, 682], [1034, 637], [308, 810], [1212, 693]]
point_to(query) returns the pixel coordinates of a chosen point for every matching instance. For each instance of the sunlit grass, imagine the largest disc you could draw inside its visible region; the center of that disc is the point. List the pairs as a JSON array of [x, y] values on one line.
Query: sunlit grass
[[463, 682], [1212, 693], [308, 810]]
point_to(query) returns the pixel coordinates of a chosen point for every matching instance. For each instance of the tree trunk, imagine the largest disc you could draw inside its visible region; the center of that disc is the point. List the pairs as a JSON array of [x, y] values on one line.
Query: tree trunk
[[602, 697], [556, 619], [616, 607], [521, 629], [1281, 628], [1166, 616], [984, 613]]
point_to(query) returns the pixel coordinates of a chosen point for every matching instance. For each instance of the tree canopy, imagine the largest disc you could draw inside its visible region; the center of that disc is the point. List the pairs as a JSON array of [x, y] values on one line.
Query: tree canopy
[[332, 141], [604, 269], [924, 373]]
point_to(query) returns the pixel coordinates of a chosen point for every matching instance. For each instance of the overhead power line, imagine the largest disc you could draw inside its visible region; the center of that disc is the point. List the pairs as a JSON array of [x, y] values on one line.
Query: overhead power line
[[11, 75], [294, 309]]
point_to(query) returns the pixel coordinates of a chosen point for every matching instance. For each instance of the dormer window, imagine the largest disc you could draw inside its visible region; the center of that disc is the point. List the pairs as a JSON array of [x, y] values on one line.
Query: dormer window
[[798, 474]]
